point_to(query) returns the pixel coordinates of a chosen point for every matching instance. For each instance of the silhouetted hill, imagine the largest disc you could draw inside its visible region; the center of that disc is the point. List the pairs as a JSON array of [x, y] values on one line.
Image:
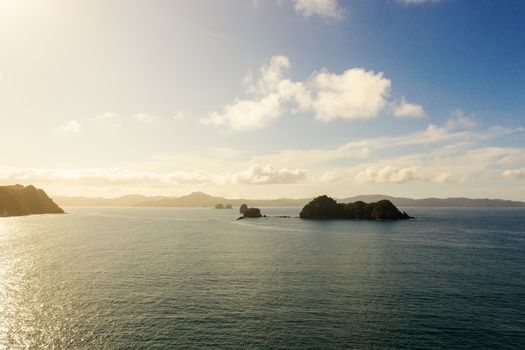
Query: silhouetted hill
[[200, 199], [326, 208], [19, 200]]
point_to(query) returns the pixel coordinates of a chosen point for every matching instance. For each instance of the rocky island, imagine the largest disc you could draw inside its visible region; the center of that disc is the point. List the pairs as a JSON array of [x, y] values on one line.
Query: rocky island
[[325, 208], [18, 200], [249, 213]]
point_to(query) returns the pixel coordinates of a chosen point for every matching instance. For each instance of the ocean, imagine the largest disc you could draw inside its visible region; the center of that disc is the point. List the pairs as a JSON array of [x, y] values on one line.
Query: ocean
[[170, 278]]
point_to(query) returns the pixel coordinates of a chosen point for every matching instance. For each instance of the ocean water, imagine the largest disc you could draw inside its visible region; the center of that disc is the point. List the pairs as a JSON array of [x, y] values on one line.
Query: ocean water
[[163, 278]]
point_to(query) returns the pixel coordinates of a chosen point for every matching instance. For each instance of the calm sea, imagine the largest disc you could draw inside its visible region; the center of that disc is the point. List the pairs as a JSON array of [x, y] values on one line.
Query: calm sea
[[135, 278]]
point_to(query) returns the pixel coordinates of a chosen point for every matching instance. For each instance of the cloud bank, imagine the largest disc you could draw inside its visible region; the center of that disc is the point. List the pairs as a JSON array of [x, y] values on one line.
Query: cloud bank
[[354, 94], [322, 8]]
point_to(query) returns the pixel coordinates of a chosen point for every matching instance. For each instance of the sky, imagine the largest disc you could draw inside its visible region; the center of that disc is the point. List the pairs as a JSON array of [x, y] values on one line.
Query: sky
[[264, 98]]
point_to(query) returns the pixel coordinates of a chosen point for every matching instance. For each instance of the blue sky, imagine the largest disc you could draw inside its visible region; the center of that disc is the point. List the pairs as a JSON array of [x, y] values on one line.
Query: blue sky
[[268, 98]]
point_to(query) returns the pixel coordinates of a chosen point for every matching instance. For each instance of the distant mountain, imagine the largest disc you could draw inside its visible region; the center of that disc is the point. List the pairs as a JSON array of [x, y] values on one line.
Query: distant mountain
[[123, 201], [438, 202], [17, 200], [200, 199]]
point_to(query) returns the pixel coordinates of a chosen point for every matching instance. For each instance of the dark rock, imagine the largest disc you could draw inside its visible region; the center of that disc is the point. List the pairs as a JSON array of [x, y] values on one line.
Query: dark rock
[[243, 208], [228, 206], [324, 207], [219, 206], [251, 213]]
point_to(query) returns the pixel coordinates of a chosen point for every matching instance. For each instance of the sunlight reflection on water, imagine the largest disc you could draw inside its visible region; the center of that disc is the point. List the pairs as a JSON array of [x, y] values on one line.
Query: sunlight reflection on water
[[193, 278]]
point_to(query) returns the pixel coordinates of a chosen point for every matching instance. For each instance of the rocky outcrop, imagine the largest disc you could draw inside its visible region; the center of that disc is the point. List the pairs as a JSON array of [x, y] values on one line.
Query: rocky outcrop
[[17, 200], [324, 207], [243, 208], [251, 213]]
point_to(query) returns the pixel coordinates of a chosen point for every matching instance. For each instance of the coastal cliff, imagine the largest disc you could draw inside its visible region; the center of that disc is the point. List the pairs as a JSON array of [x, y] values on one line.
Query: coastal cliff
[[17, 200]]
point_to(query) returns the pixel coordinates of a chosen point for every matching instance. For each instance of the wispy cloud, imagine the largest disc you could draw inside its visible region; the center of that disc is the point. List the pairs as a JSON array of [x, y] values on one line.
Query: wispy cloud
[[403, 109], [514, 174], [417, 2], [145, 117], [323, 8], [99, 177], [392, 174], [259, 175], [178, 116], [102, 117], [71, 126]]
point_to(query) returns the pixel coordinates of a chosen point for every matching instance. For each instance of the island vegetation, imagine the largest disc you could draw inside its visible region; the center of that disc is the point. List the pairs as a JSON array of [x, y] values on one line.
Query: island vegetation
[[324, 208], [18, 200]]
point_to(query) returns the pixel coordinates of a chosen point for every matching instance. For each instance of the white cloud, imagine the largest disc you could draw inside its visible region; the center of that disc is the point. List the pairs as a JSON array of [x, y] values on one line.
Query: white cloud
[[388, 174], [323, 8], [101, 176], [178, 116], [268, 93], [145, 118], [403, 109], [460, 121], [107, 177], [354, 94], [418, 2], [267, 175], [392, 174], [515, 174], [331, 176], [71, 126], [244, 115]]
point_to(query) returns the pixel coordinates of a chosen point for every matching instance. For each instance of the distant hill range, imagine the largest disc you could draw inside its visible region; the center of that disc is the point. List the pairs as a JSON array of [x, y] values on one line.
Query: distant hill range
[[17, 200], [200, 199]]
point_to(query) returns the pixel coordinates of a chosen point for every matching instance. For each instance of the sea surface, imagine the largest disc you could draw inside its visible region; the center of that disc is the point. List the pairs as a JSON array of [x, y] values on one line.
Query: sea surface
[[166, 278]]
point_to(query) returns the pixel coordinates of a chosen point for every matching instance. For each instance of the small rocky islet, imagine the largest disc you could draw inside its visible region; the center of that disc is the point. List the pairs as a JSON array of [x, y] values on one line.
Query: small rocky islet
[[326, 208], [249, 213]]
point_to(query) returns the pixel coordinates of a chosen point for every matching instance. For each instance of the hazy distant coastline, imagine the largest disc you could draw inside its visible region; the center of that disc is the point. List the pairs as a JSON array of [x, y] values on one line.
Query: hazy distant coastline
[[200, 199]]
